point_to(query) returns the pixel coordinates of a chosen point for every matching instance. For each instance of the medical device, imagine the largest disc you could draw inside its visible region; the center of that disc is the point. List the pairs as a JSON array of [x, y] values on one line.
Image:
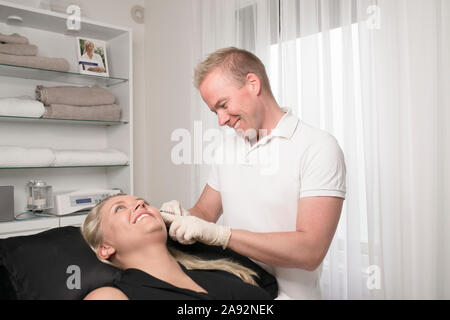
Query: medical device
[[81, 200]]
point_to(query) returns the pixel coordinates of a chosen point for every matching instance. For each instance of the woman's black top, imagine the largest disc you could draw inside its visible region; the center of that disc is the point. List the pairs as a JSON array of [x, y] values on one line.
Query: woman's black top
[[220, 285]]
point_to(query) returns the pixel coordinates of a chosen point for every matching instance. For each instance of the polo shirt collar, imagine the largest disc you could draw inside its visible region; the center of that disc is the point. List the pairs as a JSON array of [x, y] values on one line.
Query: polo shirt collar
[[284, 129], [286, 126]]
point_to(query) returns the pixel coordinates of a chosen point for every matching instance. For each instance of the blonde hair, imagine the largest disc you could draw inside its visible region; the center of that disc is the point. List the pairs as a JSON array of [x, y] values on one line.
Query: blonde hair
[[92, 234], [234, 63]]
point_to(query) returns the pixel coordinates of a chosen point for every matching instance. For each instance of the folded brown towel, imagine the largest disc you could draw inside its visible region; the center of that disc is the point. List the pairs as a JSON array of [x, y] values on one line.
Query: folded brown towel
[[19, 49], [57, 64], [13, 38], [75, 96], [104, 112]]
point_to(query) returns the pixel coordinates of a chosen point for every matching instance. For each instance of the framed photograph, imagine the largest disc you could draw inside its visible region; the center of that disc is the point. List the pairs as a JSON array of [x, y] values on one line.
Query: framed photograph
[[92, 58]]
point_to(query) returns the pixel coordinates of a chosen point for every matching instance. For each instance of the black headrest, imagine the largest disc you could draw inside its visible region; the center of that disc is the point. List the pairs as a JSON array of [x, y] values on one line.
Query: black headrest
[[58, 264]]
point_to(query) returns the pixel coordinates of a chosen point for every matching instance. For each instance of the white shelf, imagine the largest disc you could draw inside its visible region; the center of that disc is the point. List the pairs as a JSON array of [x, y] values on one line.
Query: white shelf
[[36, 225], [23, 228], [59, 121], [58, 76], [57, 22], [65, 167]]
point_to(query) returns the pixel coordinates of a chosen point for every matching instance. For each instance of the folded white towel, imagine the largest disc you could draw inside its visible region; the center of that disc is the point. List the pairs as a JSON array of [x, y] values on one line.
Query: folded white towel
[[105, 157], [13, 156], [21, 107]]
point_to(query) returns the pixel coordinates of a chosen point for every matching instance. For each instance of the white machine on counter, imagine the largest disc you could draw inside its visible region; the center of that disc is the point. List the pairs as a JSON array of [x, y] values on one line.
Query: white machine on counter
[[71, 202]]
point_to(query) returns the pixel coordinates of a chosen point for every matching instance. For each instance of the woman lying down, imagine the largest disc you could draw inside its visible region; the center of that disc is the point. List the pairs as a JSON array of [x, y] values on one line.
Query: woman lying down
[[128, 233]]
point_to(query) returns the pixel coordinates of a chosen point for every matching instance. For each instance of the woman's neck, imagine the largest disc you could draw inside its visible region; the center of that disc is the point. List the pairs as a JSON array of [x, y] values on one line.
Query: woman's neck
[[154, 260]]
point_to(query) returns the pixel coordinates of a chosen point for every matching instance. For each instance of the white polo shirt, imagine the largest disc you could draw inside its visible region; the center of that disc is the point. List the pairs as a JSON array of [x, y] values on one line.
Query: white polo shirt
[[260, 186], [96, 61]]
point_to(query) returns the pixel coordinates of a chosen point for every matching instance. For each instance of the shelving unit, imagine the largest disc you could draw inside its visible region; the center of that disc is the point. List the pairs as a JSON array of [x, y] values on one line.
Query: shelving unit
[[48, 31]]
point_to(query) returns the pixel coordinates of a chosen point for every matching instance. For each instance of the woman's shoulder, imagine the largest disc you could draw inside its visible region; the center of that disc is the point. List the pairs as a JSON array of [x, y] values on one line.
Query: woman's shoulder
[[106, 293]]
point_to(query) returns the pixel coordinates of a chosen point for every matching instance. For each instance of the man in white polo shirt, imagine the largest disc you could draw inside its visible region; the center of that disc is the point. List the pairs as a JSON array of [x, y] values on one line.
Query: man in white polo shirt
[[279, 182]]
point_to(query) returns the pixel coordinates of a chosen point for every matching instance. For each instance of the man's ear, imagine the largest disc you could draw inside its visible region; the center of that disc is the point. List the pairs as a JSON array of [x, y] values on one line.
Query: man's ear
[[105, 252], [253, 83]]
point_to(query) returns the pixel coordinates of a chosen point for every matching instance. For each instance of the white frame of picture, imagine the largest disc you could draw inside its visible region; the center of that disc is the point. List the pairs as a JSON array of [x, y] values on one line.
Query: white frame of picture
[[97, 61]]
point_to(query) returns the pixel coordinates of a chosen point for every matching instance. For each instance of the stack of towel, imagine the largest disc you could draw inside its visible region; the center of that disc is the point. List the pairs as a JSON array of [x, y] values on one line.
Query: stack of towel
[[83, 103], [21, 107], [16, 50], [16, 157], [106, 157], [12, 156]]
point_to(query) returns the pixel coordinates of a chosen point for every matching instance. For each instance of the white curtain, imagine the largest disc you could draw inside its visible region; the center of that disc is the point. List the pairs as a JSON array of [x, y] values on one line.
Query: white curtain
[[375, 74]]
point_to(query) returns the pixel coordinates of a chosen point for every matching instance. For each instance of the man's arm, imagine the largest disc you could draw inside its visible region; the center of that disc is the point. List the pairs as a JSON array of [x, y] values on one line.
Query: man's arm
[[208, 206], [305, 248]]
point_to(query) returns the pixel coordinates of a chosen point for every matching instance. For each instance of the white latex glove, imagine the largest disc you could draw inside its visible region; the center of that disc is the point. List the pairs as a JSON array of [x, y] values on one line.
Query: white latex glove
[[189, 229], [174, 207]]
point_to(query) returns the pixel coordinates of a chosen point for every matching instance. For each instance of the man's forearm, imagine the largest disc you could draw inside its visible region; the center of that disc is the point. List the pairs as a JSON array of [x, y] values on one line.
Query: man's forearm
[[199, 213], [283, 249]]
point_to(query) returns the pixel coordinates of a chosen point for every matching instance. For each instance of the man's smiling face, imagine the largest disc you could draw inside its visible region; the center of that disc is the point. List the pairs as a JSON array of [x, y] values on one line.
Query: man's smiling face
[[235, 106]]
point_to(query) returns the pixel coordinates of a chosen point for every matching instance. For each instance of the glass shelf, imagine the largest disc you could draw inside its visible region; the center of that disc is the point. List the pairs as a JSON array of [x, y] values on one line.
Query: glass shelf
[[68, 121], [66, 167], [7, 70]]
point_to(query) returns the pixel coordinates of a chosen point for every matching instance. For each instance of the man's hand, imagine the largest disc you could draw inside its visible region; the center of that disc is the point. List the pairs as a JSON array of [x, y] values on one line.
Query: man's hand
[[174, 207], [189, 229]]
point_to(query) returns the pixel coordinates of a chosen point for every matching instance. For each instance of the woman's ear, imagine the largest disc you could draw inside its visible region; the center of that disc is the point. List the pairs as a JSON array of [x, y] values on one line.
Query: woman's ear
[[253, 83], [105, 252]]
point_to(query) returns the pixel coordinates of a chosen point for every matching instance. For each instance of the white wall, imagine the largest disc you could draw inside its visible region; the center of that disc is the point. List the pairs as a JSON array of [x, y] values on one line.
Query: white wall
[[170, 55]]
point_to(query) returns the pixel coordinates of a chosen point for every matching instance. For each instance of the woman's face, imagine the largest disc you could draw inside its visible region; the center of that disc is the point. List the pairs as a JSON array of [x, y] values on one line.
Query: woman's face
[[129, 223]]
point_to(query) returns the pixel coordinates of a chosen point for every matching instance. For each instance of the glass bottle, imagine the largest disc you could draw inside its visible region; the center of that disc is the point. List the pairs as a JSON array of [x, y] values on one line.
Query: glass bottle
[[42, 196]]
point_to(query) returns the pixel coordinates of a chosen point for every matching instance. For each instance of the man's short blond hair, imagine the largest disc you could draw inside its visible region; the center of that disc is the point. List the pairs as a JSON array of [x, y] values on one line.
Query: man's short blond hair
[[234, 63]]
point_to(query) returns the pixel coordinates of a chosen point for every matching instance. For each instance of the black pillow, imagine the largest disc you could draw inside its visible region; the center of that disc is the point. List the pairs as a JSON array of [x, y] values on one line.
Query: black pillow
[[40, 266], [58, 264], [7, 291]]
